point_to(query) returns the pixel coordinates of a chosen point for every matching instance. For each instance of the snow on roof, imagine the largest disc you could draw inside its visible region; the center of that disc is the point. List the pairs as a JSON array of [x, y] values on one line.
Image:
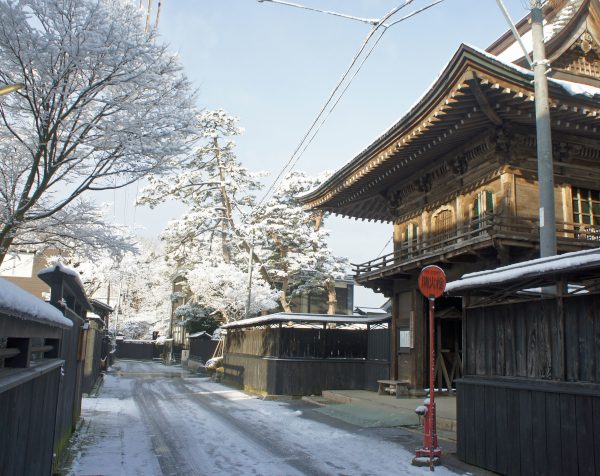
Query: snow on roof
[[370, 310], [199, 334], [297, 317], [574, 89], [63, 269], [553, 264], [514, 52], [17, 302]]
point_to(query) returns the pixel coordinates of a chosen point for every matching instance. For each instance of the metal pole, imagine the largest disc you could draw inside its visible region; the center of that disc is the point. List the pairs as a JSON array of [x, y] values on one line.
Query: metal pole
[[431, 413], [250, 276], [544, 136]]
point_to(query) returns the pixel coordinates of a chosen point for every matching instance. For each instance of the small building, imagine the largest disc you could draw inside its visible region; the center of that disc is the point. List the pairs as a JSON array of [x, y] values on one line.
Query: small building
[[22, 268]]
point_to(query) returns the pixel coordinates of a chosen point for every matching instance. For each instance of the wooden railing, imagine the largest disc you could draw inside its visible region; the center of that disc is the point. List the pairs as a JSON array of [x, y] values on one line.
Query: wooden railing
[[474, 231]]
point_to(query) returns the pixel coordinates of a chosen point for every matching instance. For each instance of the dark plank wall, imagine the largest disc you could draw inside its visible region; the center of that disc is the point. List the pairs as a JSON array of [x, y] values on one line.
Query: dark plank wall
[[274, 376], [530, 399], [291, 361], [202, 349], [135, 350], [518, 428], [27, 419], [69, 399], [535, 340]]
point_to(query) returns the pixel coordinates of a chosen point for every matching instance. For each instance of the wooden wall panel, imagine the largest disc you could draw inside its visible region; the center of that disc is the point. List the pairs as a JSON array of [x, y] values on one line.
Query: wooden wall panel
[[536, 428]]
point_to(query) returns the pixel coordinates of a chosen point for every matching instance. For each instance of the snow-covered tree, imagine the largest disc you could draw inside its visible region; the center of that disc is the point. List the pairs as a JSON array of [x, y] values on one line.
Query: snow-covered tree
[[196, 318], [215, 187], [145, 286], [206, 245], [294, 247], [139, 285], [103, 104], [224, 287]]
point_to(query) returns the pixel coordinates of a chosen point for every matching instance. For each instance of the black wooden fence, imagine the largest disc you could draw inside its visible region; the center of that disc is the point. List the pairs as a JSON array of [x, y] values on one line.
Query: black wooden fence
[[41, 372], [305, 361], [530, 399], [202, 349]]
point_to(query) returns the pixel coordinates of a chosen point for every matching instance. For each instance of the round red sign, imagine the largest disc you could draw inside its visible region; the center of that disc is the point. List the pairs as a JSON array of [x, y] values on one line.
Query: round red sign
[[432, 281]]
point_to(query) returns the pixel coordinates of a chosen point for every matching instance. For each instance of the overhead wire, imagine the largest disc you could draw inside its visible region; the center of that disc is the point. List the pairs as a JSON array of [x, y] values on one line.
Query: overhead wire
[[317, 122], [370, 21], [332, 95], [354, 75]]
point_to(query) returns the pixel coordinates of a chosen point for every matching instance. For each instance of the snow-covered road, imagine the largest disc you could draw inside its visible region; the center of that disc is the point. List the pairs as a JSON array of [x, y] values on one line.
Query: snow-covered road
[[192, 426]]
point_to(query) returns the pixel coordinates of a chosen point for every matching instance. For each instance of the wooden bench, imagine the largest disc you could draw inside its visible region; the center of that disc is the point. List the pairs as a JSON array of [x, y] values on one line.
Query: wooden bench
[[398, 387]]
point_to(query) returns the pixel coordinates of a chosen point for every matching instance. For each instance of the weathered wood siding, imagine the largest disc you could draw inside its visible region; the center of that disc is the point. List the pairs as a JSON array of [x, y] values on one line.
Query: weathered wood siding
[[518, 427], [69, 399], [533, 339], [292, 361], [530, 399], [93, 358], [27, 417]]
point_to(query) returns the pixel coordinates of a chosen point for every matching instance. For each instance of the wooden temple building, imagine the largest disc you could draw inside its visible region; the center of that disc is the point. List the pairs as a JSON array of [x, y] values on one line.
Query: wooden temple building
[[456, 177]]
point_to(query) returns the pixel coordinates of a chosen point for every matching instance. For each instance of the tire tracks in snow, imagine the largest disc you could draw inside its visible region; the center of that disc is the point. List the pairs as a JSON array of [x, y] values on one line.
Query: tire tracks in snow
[[169, 458], [291, 455]]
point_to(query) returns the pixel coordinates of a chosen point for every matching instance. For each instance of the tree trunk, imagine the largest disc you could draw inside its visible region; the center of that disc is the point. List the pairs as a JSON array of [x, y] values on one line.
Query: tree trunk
[[226, 204], [331, 297], [5, 242], [283, 295]]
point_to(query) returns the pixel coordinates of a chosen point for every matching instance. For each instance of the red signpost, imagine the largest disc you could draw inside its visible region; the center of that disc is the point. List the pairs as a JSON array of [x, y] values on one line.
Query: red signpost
[[432, 282]]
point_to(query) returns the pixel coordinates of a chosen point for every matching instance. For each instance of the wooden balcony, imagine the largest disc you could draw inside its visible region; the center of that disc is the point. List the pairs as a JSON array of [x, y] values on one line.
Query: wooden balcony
[[470, 238]]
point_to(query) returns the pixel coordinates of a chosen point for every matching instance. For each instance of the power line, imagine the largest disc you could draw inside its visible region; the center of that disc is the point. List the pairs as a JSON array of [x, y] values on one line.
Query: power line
[[354, 75], [289, 165], [370, 21], [331, 96], [385, 246]]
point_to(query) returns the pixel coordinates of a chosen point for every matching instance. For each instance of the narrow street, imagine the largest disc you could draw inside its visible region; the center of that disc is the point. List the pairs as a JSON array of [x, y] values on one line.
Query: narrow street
[[155, 420]]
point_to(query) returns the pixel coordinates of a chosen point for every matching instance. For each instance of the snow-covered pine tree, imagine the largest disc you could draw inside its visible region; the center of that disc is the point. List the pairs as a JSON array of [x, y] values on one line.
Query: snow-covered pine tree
[[215, 187], [294, 247], [206, 245]]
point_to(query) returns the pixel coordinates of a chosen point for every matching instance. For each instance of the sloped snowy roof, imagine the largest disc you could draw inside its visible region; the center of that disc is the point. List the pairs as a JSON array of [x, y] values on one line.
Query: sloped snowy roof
[[199, 334], [16, 302], [63, 269], [552, 265], [514, 52], [298, 317]]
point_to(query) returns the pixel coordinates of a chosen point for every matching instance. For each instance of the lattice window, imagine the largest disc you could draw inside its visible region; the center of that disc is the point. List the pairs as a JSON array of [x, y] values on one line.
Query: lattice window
[[586, 206], [482, 205], [586, 212], [410, 237], [443, 225]]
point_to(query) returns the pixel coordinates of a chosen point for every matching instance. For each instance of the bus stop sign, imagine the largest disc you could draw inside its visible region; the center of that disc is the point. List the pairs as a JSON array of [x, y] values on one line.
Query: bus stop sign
[[432, 282]]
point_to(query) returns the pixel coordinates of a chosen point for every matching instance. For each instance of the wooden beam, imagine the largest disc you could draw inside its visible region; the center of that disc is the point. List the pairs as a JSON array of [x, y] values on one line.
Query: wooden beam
[[483, 102]]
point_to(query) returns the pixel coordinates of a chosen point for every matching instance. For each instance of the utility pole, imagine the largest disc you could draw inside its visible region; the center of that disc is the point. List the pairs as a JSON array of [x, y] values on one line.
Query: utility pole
[[544, 135], [249, 299]]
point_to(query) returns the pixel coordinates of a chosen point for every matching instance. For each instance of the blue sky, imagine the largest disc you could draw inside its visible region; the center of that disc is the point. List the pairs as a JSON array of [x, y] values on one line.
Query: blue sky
[[273, 67]]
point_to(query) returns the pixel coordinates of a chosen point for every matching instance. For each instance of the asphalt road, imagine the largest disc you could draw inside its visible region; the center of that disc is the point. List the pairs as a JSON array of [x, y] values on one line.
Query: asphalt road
[[151, 419]]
